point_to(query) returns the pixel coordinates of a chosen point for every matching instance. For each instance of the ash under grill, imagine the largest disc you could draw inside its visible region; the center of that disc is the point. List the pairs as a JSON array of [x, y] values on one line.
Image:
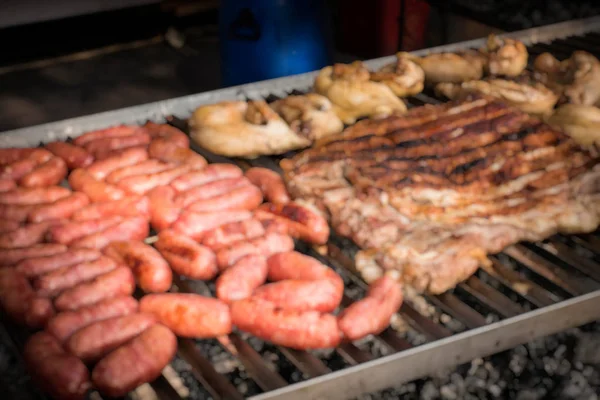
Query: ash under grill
[[529, 290]]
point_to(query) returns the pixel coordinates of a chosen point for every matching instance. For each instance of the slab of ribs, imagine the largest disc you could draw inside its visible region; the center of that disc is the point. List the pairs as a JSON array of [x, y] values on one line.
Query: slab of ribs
[[428, 195]]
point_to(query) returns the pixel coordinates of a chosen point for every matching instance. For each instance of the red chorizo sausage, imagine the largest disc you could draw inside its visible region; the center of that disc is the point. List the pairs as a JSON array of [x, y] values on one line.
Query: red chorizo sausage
[[139, 361], [67, 232], [210, 173], [143, 168], [132, 228], [62, 208], [266, 245], [243, 198], [111, 132], [52, 172], [300, 330], [195, 225], [36, 266], [7, 184], [107, 145], [23, 195], [130, 206], [142, 184], [163, 211], [164, 150], [52, 283], [270, 183], [186, 257], [372, 314], [73, 156], [189, 315], [303, 223], [239, 281], [26, 236], [7, 225], [63, 325], [117, 282], [100, 169], [100, 338], [96, 190], [301, 295], [20, 302], [151, 271], [168, 132], [228, 234], [10, 257], [57, 372], [208, 190]]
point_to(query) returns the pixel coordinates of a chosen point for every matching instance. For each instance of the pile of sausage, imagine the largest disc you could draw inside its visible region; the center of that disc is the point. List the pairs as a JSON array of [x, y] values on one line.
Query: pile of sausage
[[70, 260]]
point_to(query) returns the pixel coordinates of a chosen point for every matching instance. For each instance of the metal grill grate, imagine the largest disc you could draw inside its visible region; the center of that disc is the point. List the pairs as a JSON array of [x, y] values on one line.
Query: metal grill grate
[[527, 291]]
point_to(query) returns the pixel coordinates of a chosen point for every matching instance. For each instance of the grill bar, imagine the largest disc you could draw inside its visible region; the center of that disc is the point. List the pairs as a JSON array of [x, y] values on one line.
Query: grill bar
[[543, 274]]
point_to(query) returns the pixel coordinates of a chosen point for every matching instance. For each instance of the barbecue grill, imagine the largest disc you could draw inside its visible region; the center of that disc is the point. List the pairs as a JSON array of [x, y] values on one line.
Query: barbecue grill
[[528, 291]]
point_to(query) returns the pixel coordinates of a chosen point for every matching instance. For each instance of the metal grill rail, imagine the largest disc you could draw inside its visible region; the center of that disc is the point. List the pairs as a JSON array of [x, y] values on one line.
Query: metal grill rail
[[529, 290]]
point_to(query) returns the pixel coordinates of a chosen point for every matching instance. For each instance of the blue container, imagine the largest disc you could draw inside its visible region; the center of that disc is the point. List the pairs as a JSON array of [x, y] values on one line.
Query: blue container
[[264, 39]]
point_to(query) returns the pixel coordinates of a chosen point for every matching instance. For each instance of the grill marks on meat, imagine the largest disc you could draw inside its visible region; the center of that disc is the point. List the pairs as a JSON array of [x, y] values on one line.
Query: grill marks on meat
[[432, 192]]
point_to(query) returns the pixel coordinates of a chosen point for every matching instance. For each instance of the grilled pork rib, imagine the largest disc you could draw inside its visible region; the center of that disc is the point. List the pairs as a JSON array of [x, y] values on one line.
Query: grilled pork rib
[[431, 193]]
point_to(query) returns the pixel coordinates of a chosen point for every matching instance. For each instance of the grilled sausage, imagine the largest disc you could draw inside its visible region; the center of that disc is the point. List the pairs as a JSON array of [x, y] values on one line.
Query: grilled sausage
[[142, 184], [62, 208], [26, 236], [52, 172], [273, 225], [20, 302], [265, 246], [228, 234], [96, 190], [130, 206], [163, 211], [7, 225], [167, 151], [300, 330], [372, 314], [186, 257], [139, 361], [270, 184], [100, 338], [151, 271], [107, 145], [295, 265], [73, 156], [210, 189], [144, 168], [300, 295], [243, 198], [10, 257], [239, 281], [34, 195], [132, 228], [119, 281], [52, 283], [189, 315], [57, 372], [11, 154], [111, 132], [195, 224], [210, 173], [100, 169], [19, 168], [7, 184], [15, 212], [65, 324], [36, 266], [303, 223], [67, 232], [167, 132]]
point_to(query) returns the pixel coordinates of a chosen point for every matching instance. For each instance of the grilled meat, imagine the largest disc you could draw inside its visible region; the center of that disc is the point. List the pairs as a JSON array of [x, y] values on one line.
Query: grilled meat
[[431, 193]]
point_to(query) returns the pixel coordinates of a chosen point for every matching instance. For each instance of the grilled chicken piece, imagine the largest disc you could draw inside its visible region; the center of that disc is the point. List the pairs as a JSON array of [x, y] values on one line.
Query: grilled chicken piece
[[404, 76], [429, 194], [310, 115], [582, 123], [243, 129], [576, 79], [354, 95], [451, 67], [505, 57], [532, 98]]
